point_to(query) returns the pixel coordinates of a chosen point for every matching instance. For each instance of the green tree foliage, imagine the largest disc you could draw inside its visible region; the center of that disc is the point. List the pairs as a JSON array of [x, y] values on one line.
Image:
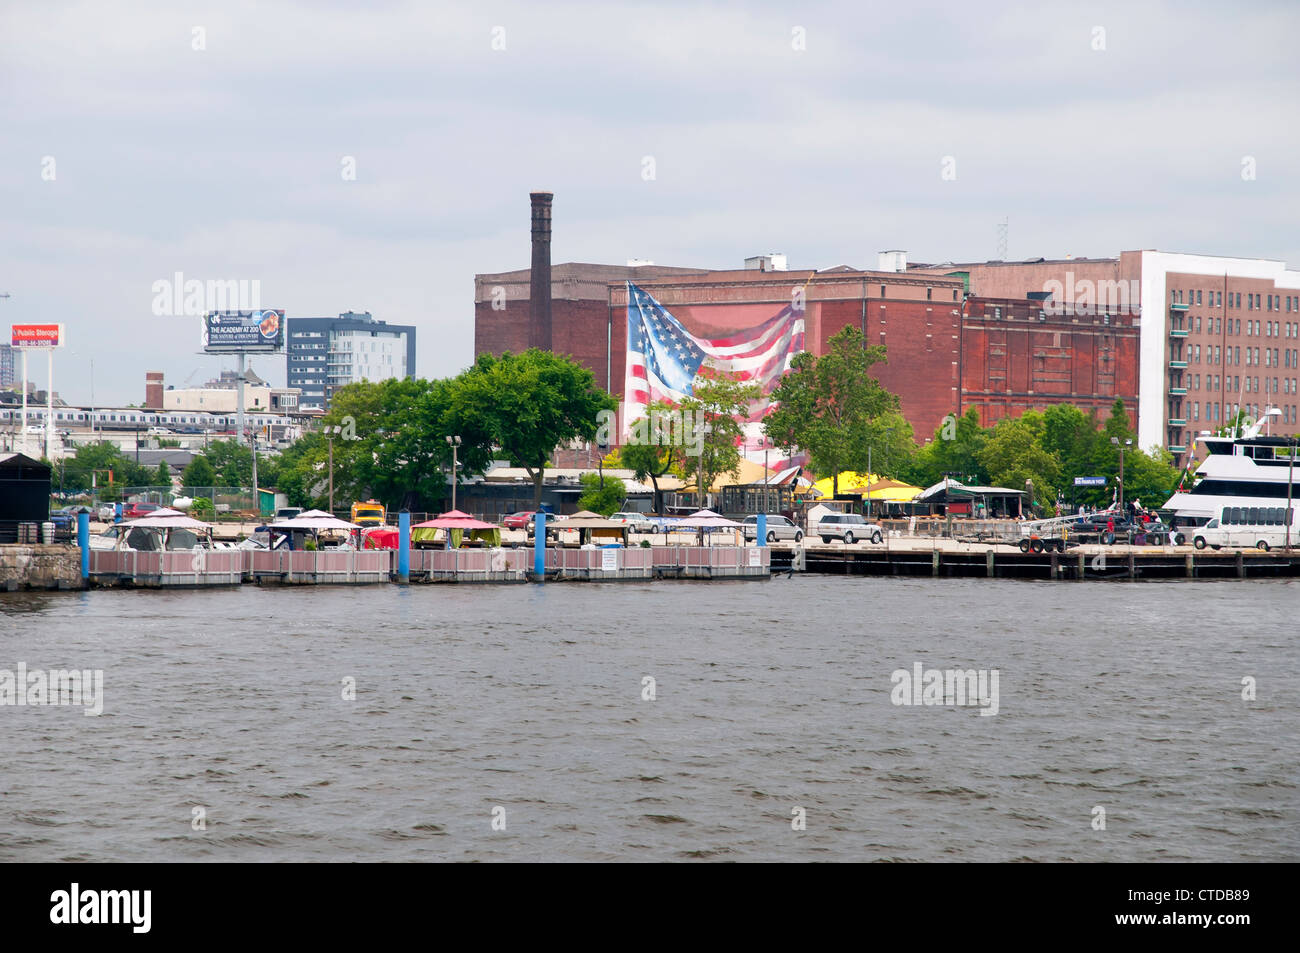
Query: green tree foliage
[[528, 404], [163, 475], [199, 473], [1014, 453], [956, 448], [715, 404], [202, 509], [103, 457], [600, 499], [652, 455], [232, 462], [831, 405]]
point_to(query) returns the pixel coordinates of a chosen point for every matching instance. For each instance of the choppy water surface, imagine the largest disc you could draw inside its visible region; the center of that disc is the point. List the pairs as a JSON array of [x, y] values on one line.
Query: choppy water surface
[[769, 697]]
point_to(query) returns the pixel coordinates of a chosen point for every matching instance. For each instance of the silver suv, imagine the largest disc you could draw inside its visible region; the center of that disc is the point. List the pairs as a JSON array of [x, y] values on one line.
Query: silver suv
[[849, 527], [778, 527]]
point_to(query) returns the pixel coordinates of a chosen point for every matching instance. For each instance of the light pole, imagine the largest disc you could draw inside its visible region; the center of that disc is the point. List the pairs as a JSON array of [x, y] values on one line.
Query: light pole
[[1127, 444], [1290, 472], [330, 433], [454, 443]]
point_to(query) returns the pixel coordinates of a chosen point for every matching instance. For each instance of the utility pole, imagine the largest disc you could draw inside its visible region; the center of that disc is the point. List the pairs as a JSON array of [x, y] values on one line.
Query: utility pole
[[1290, 473], [454, 443], [1127, 445]]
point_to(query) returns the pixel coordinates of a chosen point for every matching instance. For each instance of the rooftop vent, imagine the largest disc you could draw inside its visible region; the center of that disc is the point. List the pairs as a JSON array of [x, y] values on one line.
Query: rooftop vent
[[772, 262], [892, 260]]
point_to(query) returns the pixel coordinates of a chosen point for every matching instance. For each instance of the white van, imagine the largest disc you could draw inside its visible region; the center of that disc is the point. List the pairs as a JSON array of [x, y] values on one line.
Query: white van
[[1248, 527]]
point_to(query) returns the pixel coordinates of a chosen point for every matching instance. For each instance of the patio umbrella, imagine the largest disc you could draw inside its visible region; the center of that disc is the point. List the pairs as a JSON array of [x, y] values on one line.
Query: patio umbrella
[[705, 520], [454, 519], [456, 523]]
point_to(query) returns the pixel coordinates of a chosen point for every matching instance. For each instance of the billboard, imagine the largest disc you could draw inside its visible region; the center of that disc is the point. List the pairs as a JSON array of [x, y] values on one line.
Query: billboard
[[37, 335], [232, 332]]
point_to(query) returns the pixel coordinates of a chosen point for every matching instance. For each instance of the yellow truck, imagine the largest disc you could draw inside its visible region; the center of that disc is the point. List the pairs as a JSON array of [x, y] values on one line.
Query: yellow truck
[[369, 513]]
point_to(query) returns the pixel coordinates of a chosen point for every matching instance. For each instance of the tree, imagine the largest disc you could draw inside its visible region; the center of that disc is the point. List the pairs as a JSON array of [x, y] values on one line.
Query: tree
[[201, 508], [231, 461], [716, 405], [827, 405], [1014, 453], [163, 475], [651, 454], [530, 403], [93, 463], [600, 499], [199, 473], [955, 449]]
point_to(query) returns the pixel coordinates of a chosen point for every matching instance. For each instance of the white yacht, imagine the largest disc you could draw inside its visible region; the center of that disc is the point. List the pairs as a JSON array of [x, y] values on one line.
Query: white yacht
[[1249, 470]]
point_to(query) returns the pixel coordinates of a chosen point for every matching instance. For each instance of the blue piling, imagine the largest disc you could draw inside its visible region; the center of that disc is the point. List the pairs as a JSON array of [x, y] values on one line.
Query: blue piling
[[117, 512], [539, 547], [83, 540], [761, 530], [404, 547]]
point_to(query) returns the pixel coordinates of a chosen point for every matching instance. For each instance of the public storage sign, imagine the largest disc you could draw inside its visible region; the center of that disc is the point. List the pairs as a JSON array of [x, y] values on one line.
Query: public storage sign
[[37, 335]]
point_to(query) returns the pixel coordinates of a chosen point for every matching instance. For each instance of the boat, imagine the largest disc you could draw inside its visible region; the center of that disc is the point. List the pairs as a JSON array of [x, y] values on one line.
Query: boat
[[1245, 470]]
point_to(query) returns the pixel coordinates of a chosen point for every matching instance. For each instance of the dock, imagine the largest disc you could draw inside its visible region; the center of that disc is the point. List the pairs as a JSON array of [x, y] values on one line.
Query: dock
[[945, 559], [208, 568]]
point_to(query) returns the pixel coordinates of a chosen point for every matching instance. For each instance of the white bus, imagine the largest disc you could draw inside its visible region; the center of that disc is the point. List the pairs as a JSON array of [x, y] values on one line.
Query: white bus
[[1248, 527]]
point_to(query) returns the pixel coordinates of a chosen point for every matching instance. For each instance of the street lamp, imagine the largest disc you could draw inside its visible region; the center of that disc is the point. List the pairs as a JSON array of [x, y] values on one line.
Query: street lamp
[[888, 430], [1290, 472], [1128, 444], [330, 433], [454, 443]]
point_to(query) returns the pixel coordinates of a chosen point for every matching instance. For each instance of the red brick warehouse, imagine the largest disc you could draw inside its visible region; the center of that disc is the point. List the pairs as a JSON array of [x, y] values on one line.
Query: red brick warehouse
[[946, 351]]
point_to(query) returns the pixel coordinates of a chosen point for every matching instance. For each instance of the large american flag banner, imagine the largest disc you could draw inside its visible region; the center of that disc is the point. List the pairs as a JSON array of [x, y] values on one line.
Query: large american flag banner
[[664, 359]]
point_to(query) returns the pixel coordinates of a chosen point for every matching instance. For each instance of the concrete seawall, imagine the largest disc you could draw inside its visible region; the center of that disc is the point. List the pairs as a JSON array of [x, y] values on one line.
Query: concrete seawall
[[38, 566]]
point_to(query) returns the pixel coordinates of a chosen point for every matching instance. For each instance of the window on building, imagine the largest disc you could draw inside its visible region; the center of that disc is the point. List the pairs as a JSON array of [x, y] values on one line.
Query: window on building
[[882, 291], [1198, 297]]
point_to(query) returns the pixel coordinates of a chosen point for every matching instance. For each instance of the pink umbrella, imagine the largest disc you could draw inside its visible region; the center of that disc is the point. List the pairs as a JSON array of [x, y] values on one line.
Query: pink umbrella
[[454, 519]]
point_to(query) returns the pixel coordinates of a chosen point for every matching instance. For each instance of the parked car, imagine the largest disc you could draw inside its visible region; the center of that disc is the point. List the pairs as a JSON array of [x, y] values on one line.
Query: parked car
[[848, 527], [107, 512], [518, 520], [136, 510], [637, 522], [778, 527], [552, 527], [66, 516], [288, 512]]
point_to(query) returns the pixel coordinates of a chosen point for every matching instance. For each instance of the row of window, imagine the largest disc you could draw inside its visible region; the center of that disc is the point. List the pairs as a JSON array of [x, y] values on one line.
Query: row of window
[[1255, 516], [1271, 385], [1254, 302], [1264, 357], [1218, 413], [118, 417], [1270, 329]]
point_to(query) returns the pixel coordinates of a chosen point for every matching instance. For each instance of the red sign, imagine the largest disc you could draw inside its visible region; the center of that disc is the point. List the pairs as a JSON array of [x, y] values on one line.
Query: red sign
[[38, 335]]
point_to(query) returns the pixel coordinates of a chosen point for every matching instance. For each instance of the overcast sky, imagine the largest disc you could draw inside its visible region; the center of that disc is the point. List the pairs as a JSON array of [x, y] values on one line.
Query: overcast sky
[[227, 162]]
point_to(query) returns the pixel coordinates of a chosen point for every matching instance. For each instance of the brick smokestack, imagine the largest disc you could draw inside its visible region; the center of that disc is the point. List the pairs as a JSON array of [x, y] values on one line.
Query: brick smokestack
[[153, 390], [539, 293]]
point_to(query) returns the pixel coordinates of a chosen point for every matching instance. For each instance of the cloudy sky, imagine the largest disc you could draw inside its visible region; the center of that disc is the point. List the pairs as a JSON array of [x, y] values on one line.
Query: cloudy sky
[[211, 139]]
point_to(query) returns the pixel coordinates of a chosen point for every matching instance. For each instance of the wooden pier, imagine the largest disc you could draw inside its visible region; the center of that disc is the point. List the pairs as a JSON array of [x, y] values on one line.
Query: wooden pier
[[1006, 562]]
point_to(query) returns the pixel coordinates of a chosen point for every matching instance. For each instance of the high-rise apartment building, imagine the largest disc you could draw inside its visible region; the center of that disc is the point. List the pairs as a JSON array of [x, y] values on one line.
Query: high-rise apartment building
[[324, 354]]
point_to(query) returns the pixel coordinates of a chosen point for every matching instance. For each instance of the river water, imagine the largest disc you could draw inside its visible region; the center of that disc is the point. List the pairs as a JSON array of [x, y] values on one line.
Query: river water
[[526, 706]]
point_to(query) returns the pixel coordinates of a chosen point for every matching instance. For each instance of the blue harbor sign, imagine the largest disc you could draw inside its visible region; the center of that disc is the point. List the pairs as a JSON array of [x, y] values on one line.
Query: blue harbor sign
[[1089, 481]]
